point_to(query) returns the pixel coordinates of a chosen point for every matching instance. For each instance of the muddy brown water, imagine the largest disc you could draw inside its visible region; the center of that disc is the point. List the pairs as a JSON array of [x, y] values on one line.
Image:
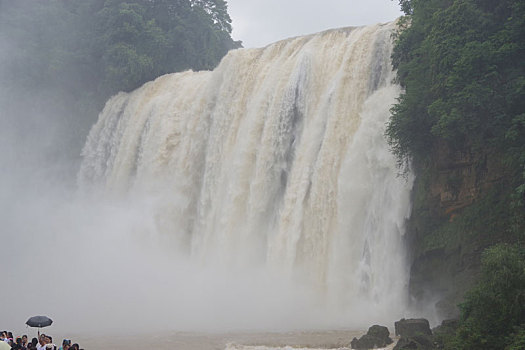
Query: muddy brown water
[[334, 339]]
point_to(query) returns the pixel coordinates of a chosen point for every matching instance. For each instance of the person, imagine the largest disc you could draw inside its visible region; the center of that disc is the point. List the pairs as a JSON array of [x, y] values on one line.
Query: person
[[66, 344], [33, 343], [24, 341], [32, 346], [41, 342], [18, 344], [10, 338]]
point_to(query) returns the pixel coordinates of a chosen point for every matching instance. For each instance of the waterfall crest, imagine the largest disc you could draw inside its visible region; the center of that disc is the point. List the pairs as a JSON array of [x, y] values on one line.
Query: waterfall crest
[[276, 159]]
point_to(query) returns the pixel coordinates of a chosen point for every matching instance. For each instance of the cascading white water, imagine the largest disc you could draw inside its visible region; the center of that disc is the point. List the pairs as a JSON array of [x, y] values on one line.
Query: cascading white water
[[276, 159]]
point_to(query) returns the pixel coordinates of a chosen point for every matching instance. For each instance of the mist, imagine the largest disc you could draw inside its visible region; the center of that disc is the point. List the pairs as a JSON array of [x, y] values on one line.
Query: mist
[[95, 266], [120, 257], [101, 265]]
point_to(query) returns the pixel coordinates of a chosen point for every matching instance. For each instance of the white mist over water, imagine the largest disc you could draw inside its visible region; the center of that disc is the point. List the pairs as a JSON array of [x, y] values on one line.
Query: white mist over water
[[261, 195]]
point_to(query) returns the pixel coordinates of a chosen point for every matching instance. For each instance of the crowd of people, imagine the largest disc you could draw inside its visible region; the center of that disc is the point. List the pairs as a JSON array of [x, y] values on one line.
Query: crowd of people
[[43, 342]]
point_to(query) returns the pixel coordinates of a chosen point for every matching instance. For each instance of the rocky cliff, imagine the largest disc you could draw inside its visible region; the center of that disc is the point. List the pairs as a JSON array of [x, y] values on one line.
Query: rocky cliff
[[461, 206]]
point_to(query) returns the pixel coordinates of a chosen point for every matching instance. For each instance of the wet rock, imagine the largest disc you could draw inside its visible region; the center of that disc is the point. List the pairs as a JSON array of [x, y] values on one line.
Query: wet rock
[[376, 337], [405, 344], [419, 342], [412, 327], [380, 332]]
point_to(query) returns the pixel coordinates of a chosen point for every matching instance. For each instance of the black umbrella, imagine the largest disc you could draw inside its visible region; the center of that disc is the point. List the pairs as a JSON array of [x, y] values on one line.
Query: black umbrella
[[39, 321]]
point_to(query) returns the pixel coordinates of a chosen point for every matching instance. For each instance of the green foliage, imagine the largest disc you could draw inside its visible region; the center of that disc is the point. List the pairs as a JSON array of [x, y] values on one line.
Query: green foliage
[[406, 6], [493, 218], [461, 64], [516, 340], [494, 310], [133, 47], [71, 56]]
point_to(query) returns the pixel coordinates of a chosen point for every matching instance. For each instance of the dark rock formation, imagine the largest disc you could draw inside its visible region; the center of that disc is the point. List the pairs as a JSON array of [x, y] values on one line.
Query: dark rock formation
[[412, 327], [380, 332], [405, 344], [419, 342], [451, 183], [376, 337], [415, 334]]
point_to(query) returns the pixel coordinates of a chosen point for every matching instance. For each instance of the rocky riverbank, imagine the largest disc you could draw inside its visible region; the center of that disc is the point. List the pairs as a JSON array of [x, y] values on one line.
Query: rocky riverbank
[[412, 333]]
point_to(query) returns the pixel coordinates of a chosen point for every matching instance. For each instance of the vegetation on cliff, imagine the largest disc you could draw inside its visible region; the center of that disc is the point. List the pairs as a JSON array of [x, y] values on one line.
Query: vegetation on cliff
[[461, 65], [61, 60], [461, 125], [493, 314]]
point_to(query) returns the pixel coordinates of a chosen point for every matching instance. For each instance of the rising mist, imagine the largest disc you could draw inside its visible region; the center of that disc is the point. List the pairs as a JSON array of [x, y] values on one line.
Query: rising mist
[[258, 196]]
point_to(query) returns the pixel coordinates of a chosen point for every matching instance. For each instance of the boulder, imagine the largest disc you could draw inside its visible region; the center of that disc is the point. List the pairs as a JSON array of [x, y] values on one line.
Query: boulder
[[376, 337], [380, 332], [365, 342], [405, 344], [418, 342], [412, 327]]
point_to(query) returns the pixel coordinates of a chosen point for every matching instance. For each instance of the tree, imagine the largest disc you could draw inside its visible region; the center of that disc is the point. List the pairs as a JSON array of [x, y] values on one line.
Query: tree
[[493, 314], [460, 64], [71, 56], [133, 48]]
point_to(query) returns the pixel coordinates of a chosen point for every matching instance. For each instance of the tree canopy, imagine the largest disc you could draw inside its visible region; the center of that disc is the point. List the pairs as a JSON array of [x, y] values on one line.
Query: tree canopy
[[116, 44], [461, 64], [64, 59], [493, 314]]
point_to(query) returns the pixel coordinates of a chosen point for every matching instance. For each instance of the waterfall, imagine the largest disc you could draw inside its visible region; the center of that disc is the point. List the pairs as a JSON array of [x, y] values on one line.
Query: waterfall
[[275, 160]]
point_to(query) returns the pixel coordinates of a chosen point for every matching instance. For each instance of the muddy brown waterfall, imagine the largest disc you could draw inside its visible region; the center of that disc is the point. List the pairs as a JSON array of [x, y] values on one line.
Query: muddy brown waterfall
[[274, 161]]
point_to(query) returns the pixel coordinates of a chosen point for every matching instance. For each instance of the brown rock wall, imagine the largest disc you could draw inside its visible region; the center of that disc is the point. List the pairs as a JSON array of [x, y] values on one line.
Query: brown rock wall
[[462, 176], [452, 182]]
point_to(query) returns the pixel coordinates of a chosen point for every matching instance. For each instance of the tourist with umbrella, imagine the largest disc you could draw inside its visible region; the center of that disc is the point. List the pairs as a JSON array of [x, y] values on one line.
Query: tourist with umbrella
[[39, 321]]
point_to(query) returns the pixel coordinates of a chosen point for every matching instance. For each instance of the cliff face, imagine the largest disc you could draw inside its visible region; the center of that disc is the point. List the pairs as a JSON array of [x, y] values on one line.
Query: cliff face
[[456, 215], [460, 178]]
